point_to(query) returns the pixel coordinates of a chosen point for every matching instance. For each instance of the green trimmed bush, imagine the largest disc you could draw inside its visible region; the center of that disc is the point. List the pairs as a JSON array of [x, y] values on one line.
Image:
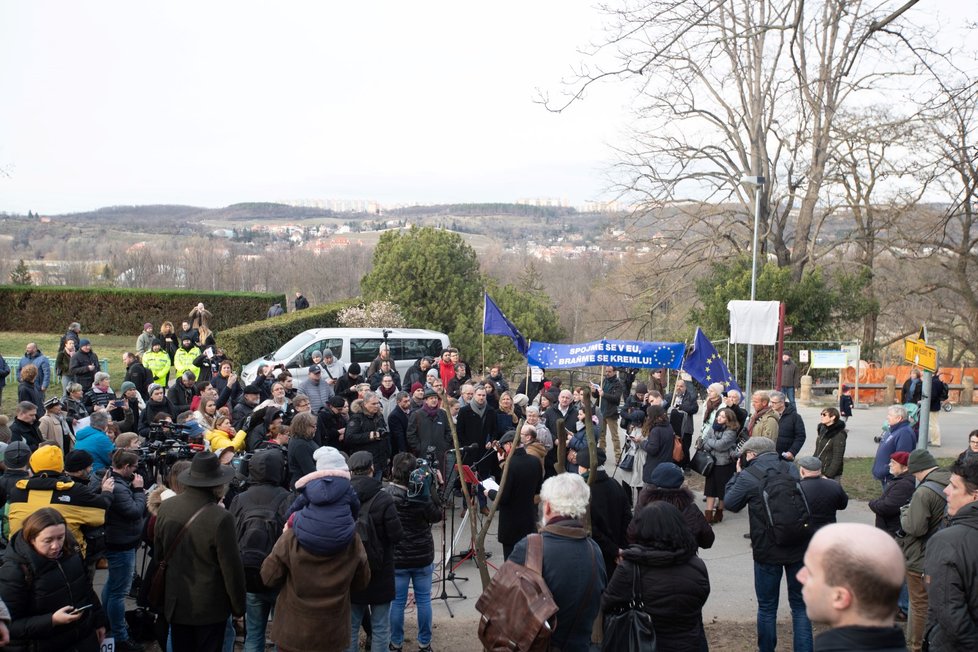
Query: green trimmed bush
[[249, 341], [115, 311]]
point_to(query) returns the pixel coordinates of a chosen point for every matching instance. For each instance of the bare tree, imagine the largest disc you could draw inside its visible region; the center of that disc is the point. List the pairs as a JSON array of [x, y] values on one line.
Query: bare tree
[[734, 87]]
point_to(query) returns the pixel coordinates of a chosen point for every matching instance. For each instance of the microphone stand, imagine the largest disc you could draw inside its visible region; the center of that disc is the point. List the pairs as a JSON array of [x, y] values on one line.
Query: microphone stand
[[447, 572]]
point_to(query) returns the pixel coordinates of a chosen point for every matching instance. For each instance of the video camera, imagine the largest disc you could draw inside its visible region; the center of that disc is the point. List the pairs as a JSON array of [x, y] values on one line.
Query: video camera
[[163, 431], [420, 481], [160, 456]]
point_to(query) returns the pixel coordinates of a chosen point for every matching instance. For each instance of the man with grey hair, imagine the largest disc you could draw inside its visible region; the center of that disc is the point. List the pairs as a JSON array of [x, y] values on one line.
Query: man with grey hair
[[574, 568], [851, 581], [750, 486], [383, 353], [791, 427], [465, 394], [367, 431], [899, 436]]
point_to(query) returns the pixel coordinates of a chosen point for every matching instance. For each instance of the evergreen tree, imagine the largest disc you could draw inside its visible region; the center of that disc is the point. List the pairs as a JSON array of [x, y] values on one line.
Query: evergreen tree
[[21, 274]]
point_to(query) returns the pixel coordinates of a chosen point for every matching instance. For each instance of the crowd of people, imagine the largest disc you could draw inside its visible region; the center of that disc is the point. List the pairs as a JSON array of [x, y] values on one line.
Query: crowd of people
[[263, 506]]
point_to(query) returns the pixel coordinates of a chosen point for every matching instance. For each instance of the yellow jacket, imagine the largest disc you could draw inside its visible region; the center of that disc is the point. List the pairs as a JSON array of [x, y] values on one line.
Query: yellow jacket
[[219, 440], [183, 360], [158, 363]]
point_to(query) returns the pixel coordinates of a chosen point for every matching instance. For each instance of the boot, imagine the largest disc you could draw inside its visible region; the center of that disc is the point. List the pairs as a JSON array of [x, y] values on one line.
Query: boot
[[709, 516], [718, 515]]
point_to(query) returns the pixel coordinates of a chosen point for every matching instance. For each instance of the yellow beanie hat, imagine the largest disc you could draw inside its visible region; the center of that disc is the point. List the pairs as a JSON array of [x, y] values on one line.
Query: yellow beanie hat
[[48, 458]]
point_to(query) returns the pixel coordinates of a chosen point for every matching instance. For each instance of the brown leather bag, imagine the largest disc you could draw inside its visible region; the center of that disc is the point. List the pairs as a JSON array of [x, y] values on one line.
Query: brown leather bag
[[157, 586], [677, 450], [518, 610]]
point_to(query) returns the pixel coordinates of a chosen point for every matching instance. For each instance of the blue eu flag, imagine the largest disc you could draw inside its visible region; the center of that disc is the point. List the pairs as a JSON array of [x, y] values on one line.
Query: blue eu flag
[[706, 366], [494, 322]]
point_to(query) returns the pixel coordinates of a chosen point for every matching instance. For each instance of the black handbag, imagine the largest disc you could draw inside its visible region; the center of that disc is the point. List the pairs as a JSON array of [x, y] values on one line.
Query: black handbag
[[702, 462], [630, 629], [627, 462]]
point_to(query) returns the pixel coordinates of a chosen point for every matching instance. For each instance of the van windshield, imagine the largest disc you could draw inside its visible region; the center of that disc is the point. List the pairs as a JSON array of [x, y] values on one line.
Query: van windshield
[[291, 347]]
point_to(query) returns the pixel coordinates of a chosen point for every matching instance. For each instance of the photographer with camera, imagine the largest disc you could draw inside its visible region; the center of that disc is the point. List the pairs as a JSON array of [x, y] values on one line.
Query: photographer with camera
[[367, 431]]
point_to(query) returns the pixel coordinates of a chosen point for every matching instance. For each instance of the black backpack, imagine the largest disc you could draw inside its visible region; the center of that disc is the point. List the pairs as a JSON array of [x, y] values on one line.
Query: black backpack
[[786, 510], [258, 529], [370, 538]]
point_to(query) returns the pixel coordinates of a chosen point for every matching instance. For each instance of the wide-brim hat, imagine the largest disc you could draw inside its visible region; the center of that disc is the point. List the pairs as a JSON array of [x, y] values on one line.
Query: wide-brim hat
[[206, 470]]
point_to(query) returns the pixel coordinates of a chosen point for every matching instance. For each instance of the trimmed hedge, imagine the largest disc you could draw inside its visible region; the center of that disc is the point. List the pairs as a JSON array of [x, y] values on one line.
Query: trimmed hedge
[[249, 341], [115, 311]]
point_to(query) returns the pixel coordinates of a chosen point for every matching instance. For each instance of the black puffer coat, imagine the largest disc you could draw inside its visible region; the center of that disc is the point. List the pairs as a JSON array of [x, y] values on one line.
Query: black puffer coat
[[952, 563], [897, 493], [47, 586], [357, 437], [674, 588], [416, 547], [387, 525]]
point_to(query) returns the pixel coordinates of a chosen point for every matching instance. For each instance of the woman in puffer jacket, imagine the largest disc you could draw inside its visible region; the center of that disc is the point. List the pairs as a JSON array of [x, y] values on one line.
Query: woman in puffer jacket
[[414, 555], [223, 435], [672, 582], [42, 581]]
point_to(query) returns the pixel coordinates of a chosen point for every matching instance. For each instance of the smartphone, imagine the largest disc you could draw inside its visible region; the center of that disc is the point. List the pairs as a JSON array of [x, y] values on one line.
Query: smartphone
[[119, 403], [78, 610]]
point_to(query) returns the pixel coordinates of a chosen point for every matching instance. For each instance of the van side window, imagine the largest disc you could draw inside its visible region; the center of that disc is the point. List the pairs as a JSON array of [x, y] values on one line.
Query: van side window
[[334, 344], [364, 350]]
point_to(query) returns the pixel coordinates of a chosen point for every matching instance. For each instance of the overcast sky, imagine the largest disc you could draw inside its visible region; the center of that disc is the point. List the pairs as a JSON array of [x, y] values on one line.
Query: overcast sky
[[211, 103]]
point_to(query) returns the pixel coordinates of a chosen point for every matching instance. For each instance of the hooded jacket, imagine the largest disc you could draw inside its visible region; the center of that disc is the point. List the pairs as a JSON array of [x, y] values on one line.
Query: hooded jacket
[[46, 586], [77, 503], [922, 517], [312, 610], [387, 525], [743, 490], [951, 562], [326, 508], [673, 585]]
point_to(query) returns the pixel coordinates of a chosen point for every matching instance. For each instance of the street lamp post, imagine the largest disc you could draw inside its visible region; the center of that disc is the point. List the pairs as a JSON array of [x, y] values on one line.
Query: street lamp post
[[758, 183]]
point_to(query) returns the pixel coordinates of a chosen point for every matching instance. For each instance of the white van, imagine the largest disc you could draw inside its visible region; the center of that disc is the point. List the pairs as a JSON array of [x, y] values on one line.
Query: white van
[[349, 345]]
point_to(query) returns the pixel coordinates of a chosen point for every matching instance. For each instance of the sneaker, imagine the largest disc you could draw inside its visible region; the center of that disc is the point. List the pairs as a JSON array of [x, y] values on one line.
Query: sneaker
[[128, 645], [393, 648], [426, 648]]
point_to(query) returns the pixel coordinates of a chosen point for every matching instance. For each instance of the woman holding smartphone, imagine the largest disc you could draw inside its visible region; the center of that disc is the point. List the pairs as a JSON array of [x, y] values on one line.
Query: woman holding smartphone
[[44, 585]]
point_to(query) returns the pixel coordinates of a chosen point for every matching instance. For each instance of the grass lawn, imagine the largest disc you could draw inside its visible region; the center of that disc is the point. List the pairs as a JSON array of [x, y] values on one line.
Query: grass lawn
[[858, 480], [107, 347]]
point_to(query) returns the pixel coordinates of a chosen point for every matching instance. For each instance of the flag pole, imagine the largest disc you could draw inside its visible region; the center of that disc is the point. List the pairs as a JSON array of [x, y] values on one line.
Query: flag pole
[[485, 302]]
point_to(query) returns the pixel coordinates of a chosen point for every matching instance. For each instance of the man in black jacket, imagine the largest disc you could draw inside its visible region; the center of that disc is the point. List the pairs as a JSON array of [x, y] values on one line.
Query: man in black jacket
[[610, 513], [181, 394], [515, 500], [609, 395], [265, 494], [825, 497], [24, 427], [84, 363], [378, 507], [791, 427], [951, 565], [851, 579], [771, 559], [137, 374], [367, 431]]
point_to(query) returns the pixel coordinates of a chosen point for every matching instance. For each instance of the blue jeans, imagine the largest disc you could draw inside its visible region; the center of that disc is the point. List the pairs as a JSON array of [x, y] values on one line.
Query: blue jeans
[[257, 608], [122, 563], [767, 587], [380, 625], [903, 602], [789, 394], [420, 578]]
